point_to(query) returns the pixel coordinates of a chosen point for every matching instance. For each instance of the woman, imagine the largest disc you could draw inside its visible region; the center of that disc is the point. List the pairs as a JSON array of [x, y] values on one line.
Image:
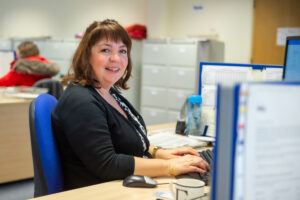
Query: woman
[[100, 136], [29, 68]]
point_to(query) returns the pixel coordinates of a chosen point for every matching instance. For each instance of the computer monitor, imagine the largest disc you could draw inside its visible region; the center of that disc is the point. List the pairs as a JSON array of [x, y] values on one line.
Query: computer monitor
[[291, 69], [211, 73], [256, 155]]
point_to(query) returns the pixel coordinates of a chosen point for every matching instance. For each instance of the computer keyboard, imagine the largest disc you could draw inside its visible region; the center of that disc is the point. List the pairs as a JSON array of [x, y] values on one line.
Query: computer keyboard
[[207, 155]]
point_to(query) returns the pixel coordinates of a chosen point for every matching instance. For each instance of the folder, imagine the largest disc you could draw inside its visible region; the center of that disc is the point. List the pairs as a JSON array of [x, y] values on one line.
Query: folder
[[257, 142]]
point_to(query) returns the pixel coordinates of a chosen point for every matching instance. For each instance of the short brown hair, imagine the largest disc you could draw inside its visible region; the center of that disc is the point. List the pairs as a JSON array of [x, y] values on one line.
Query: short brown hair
[[27, 49], [81, 70]]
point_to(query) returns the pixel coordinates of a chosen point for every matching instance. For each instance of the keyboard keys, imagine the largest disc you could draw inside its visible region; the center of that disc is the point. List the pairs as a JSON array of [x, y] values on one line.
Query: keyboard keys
[[206, 155]]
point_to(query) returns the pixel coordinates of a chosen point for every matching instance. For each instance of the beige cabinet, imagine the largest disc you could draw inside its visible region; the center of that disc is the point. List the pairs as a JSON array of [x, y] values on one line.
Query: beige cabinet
[[170, 71]]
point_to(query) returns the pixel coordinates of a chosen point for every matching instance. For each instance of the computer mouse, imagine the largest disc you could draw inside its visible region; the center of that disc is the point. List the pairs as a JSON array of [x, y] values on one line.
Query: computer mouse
[[139, 181]]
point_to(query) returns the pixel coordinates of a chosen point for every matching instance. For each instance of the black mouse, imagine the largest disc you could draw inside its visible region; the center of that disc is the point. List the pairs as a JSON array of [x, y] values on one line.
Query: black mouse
[[139, 181]]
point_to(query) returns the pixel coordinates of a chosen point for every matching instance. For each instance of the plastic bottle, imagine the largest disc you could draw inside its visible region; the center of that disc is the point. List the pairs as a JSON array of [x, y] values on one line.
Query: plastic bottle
[[194, 115]]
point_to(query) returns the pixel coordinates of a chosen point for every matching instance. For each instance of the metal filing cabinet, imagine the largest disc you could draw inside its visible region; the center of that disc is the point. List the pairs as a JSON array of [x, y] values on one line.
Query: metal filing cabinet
[[5, 44], [60, 51], [170, 74], [134, 83]]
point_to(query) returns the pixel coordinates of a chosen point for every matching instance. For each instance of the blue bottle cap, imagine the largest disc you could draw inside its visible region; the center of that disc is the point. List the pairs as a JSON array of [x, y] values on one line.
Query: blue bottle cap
[[195, 99]]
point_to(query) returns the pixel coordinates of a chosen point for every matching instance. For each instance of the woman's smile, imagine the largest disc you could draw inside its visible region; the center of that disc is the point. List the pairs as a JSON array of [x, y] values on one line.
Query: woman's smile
[[113, 69]]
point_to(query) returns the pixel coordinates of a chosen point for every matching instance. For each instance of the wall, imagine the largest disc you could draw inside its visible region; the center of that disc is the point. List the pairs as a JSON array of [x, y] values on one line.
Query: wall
[[64, 18], [230, 21]]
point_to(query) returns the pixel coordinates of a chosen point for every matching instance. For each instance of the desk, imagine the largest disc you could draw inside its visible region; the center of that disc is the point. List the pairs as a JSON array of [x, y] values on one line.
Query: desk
[[114, 190], [15, 147]]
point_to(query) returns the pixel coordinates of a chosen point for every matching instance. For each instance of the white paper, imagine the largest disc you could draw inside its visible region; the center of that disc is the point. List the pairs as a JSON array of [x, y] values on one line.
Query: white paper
[[167, 139], [282, 33], [273, 74], [208, 93], [209, 118], [217, 74], [163, 194]]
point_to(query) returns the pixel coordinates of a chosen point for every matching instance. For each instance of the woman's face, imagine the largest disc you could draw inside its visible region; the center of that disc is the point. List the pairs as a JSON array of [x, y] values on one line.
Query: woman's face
[[109, 61]]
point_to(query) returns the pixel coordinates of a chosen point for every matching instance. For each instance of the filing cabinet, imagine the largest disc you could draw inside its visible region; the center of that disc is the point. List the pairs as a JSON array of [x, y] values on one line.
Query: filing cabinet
[[170, 71], [5, 44], [6, 56], [155, 96], [155, 75], [156, 52], [172, 115], [60, 51], [178, 77], [177, 97], [133, 94], [154, 115]]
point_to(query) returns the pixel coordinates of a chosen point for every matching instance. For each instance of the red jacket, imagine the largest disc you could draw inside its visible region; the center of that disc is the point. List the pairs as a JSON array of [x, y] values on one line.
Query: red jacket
[[27, 71]]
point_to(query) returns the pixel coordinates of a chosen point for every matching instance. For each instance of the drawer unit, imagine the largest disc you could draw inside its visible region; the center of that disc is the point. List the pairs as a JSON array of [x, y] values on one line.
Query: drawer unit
[[182, 54], [155, 75], [170, 74], [153, 116], [173, 115], [5, 44], [60, 49], [155, 53], [156, 97], [177, 97], [182, 77]]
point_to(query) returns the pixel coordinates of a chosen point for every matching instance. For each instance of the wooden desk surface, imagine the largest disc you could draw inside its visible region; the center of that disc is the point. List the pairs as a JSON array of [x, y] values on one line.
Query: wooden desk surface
[[15, 147], [114, 190], [161, 126]]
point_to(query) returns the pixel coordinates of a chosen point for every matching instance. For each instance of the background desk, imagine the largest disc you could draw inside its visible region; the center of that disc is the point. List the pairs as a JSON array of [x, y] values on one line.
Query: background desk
[[114, 190], [15, 147]]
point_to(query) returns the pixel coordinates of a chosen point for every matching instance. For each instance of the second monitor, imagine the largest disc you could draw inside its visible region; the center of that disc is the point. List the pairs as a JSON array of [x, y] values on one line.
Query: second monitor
[[291, 68]]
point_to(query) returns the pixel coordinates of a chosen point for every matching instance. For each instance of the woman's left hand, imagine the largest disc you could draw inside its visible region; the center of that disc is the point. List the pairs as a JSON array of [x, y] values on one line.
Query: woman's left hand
[[175, 153]]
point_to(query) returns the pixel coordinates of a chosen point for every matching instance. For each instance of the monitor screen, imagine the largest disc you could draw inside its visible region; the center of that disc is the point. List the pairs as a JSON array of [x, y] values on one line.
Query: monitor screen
[[291, 70], [257, 142]]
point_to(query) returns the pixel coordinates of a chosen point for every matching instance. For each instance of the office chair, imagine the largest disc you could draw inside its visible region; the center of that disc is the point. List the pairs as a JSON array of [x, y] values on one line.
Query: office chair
[[54, 86], [48, 177]]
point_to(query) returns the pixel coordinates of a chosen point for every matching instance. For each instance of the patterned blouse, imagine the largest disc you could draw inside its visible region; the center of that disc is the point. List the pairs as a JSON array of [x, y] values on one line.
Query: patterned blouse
[[140, 129]]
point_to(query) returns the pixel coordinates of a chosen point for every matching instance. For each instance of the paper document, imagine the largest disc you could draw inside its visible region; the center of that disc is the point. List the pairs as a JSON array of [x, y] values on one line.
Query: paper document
[[208, 94], [273, 74], [168, 139], [216, 74]]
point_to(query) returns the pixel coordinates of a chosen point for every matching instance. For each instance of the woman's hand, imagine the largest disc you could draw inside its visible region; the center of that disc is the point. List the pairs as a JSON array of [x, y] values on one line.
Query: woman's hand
[[175, 153], [186, 164]]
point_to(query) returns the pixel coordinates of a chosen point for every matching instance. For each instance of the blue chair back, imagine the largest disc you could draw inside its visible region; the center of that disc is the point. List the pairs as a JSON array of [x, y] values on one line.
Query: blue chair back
[[48, 178]]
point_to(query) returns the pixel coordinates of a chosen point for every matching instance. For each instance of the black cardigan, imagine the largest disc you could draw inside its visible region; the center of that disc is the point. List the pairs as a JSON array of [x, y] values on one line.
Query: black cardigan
[[96, 143]]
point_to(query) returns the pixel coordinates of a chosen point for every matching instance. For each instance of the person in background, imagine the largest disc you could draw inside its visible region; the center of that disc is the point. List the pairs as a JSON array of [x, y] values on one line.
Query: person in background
[[100, 136], [29, 67]]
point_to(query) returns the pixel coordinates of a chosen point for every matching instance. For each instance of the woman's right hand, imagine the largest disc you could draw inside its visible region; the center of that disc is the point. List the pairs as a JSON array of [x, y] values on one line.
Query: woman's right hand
[[186, 164]]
